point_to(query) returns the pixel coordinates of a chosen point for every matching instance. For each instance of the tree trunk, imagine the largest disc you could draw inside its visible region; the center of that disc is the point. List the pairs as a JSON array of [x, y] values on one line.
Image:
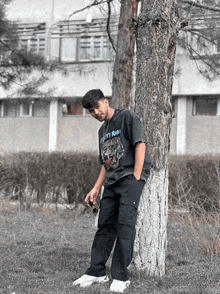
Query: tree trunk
[[156, 44], [122, 73]]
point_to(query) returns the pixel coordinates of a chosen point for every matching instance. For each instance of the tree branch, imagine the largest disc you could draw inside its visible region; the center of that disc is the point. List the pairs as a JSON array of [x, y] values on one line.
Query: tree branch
[[108, 25], [95, 3], [210, 66], [194, 33], [203, 6]]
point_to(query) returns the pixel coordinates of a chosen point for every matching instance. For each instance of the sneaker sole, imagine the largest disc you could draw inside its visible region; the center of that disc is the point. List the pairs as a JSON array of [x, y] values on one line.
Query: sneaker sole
[[118, 290], [91, 282]]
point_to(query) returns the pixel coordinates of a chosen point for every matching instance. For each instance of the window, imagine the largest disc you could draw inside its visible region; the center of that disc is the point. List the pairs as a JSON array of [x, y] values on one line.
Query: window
[[3, 108], [26, 109], [32, 37], [74, 108], [173, 105], [85, 48], [94, 48], [83, 42], [68, 49], [206, 106]]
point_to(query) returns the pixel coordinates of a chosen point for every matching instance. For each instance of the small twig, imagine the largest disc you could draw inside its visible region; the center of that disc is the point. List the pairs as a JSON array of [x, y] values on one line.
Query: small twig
[[190, 49], [95, 3]]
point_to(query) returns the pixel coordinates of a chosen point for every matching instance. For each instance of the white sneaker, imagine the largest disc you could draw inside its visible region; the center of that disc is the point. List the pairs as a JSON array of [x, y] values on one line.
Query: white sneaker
[[119, 286], [87, 280]]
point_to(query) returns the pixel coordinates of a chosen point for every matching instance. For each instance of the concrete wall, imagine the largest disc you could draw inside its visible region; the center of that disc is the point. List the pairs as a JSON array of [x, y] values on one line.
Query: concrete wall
[[87, 76], [189, 81], [24, 134], [78, 133], [202, 132]]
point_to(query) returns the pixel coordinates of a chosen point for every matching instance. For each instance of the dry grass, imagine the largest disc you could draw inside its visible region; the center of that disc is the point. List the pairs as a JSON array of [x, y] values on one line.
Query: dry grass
[[204, 230], [42, 251]]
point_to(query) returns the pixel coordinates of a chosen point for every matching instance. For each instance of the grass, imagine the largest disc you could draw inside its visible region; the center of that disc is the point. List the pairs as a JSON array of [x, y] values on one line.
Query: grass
[[42, 251]]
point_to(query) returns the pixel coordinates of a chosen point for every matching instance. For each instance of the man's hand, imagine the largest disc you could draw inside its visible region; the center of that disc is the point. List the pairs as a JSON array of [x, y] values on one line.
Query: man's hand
[[92, 196], [137, 176]]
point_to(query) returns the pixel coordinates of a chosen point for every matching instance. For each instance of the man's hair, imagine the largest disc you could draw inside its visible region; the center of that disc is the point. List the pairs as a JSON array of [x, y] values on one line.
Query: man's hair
[[91, 98]]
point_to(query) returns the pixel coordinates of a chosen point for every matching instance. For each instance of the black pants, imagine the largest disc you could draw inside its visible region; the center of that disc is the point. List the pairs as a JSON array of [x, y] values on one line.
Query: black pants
[[117, 219]]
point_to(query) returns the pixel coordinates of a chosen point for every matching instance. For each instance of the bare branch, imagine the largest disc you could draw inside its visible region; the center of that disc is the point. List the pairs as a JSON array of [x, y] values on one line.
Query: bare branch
[[196, 33], [5, 45], [108, 25], [213, 69], [197, 4], [95, 3]]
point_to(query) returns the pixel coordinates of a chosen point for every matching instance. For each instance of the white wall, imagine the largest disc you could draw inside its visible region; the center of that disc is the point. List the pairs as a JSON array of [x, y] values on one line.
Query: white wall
[[190, 81], [56, 10], [96, 76]]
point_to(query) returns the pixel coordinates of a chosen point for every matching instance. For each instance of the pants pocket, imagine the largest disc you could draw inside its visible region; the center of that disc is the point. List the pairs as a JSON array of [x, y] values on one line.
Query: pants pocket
[[128, 211]]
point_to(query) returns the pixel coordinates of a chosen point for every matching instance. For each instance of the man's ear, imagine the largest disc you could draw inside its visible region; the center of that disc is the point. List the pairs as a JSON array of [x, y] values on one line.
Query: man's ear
[[106, 102]]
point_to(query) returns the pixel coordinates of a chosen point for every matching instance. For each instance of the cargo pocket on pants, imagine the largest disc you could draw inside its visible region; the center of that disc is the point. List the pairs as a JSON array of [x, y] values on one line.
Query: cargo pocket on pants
[[128, 211]]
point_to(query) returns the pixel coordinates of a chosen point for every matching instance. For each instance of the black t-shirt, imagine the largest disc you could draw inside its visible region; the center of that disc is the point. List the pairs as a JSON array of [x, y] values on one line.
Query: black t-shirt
[[117, 140]]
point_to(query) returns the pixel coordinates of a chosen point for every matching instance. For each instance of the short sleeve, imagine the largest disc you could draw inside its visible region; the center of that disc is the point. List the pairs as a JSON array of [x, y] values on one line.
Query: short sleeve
[[133, 128]]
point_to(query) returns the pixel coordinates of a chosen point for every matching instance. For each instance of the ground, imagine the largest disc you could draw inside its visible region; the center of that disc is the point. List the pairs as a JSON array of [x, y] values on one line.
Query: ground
[[42, 251]]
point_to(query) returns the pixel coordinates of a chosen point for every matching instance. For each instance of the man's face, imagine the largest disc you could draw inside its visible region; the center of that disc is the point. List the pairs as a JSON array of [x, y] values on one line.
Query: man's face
[[100, 110]]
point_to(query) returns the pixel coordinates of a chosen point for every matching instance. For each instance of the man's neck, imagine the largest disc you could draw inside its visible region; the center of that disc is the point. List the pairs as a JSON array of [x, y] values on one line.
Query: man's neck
[[110, 114]]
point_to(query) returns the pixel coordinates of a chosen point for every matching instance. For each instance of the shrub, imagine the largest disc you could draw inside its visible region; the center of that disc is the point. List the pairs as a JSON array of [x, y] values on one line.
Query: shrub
[[49, 174], [194, 181]]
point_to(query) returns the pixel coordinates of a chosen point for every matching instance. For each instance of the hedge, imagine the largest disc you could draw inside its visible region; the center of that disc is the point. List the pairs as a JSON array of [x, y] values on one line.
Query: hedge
[[194, 181], [49, 174]]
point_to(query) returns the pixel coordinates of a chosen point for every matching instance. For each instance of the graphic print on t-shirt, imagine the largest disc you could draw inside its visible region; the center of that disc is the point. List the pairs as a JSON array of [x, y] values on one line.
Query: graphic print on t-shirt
[[111, 151]]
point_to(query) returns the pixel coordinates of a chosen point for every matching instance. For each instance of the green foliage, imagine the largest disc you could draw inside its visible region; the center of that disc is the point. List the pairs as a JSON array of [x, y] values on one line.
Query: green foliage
[[17, 63], [49, 174]]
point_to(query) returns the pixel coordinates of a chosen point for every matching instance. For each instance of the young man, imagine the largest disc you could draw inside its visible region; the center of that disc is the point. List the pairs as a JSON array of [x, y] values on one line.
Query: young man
[[125, 169]]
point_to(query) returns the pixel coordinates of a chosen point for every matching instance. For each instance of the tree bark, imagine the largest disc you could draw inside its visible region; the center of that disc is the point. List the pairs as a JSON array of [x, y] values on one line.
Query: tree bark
[[122, 73], [156, 44]]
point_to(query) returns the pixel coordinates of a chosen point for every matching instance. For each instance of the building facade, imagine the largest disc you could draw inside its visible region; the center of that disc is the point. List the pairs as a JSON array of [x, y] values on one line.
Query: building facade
[[57, 122]]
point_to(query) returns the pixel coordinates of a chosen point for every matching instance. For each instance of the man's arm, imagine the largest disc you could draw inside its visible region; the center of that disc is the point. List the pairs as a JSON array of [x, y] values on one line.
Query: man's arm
[[139, 159], [93, 194]]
